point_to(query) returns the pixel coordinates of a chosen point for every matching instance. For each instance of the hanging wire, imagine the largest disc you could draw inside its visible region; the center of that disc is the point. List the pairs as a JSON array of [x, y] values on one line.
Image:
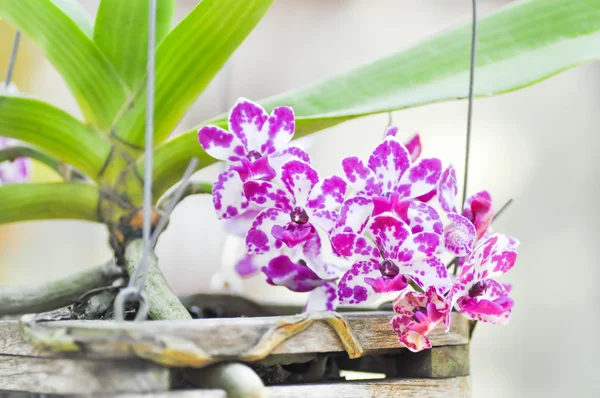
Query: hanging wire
[[470, 106], [13, 59]]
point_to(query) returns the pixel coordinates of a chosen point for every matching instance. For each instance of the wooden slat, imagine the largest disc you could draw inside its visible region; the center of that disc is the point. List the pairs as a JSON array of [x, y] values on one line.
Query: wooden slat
[[198, 342], [459, 387], [67, 376]]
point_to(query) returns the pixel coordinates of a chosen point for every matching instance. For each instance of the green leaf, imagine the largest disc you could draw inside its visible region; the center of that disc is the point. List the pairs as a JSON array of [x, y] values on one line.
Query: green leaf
[[54, 131], [89, 74], [187, 60], [517, 46], [74, 10], [48, 201], [121, 32]]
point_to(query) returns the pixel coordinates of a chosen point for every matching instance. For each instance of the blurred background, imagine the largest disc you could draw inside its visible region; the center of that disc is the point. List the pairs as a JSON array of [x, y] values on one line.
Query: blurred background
[[538, 146]]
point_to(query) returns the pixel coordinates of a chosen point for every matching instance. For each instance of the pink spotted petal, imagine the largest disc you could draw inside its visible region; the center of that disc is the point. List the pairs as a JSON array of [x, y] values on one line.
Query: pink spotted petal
[[247, 267], [282, 271], [355, 247], [268, 195], [479, 210], [387, 285], [246, 120], [299, 178], [389, 161], [260, 169], [414, 147], [259, 239], [354, 214], [240, 224], [391, 131], [313, 255], [327, 194], [228, 195], [325, 219], [221, 144], [292, 234], [351, 287], [277, 131], [418, 247], [278, 159], [423, 218], [361, 178], [494, 306], [429, 272], [390, 233], [322, 298], [448, 189], [420, 179], [459, 235]]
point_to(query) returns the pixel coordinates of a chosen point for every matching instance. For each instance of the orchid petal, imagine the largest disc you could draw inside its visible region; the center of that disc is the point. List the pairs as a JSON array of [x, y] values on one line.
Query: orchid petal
[[327, 194], [281, 271], [312, 250], [423, 218], [277, 131], [391, 131], [221, 144], [413, 145], [387, 285], [460, 235], [278, 159], [429, 272], [259, 239], [420, 179], [325, 219], [245, 121], [354, 214], [268, 195], [479, 210], [447, 190], [361, 178], [228, 195], [293, 234], [351, 287], [389, 233], [246, 266], [389, 161], [356, 247], [494, 306], [322, 298], [240, 224], [418, 247], [299, 178]]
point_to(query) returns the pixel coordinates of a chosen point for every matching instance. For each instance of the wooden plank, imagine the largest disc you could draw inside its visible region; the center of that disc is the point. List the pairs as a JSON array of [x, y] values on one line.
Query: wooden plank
[[459, 387], [438, 362], [199, 342], [67, 376]]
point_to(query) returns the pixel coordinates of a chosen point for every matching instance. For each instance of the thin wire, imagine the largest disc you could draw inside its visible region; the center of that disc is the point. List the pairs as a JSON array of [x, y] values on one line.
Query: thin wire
[[502, 209], [13, 59], [148, 146], [470, 107]]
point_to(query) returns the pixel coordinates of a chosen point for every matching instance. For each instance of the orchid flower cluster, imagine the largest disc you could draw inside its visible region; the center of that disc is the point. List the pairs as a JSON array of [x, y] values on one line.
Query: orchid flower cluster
[[382, 229]]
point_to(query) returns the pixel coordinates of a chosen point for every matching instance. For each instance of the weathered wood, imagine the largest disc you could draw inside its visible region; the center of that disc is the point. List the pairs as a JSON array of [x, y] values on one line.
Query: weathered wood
[[197, 343], [459, 387], [68, 376], [438, 362]]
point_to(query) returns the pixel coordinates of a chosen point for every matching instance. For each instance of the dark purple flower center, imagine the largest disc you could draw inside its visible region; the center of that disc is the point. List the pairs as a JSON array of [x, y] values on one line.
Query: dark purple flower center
[[478, 289], [302, 262], [253, 155], [389, 269], [298, 215]]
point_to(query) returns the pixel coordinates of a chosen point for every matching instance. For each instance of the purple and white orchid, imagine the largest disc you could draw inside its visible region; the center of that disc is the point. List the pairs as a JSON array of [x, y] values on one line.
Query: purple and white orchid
[[16, 171], [389, 229]]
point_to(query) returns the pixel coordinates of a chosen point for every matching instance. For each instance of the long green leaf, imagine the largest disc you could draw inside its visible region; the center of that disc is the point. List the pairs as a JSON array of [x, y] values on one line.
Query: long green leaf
[[121, 32], [89, 74], [54, 131], [518, 46], [187, 60], [74, 10], [48, 201]]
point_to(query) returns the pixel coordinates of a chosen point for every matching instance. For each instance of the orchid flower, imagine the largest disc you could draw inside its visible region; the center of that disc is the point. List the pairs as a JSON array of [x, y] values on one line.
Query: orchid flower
[[395, 257], [253, 141], [16, 171], [296, 270], [413, 145], [475, 293], [292, 212], [418, 315]]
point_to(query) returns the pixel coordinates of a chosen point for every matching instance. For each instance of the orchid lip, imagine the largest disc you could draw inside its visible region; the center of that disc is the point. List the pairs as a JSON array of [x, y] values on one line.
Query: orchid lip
[[253, 156], [478, 289], [389, 269], [298, 215]]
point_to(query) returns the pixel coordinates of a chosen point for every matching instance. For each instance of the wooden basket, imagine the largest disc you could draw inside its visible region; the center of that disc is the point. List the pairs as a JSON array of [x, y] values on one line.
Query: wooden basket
[[295, 355]]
